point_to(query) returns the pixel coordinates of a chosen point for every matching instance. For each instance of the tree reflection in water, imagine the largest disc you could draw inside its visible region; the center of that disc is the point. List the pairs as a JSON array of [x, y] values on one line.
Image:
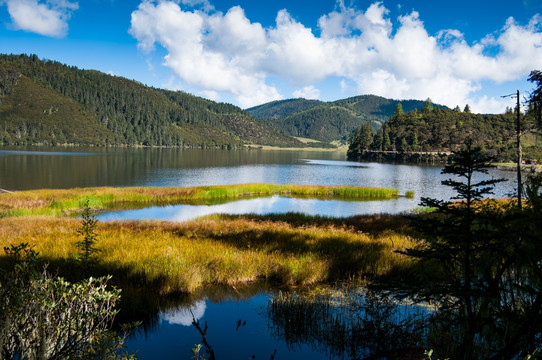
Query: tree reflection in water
[[349, 323]]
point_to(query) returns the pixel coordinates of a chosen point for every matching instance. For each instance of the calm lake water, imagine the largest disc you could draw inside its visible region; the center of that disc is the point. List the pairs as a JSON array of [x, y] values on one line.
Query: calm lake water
[[34, 168], [237, 329], [173, 336]]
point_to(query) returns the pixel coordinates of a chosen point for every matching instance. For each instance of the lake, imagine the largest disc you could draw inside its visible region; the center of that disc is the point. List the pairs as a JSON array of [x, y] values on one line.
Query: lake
[[173, 334], [34, 168]]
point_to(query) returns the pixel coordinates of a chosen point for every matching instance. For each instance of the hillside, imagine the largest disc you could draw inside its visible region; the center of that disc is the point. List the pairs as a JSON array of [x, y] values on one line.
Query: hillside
[[45, 102], [329, 121], [443, 130], [282, 108]]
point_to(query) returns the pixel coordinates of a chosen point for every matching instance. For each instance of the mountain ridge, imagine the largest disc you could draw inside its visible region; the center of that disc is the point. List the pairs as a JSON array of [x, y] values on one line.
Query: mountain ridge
[[46, 102], [333, 120]]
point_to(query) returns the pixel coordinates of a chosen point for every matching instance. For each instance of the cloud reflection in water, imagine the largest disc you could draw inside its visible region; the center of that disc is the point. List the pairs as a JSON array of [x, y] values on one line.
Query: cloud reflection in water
[[185, 315], [263, 206]]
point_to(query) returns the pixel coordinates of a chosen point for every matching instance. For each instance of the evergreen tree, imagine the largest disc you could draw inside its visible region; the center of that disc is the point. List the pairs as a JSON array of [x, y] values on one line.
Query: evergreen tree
[[386, 142], [490, 294], [467, 109], [414, 144], [378, 140], [366, 136], [453, 238], [535, 99], [404, 145], [398, 110], [87, 246], [427, 106], [361, 139]]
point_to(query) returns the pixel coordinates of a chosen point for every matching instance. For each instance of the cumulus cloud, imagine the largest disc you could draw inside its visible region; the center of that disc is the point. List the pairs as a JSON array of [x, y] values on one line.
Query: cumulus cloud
[[227, 53], [218, 53], [49, 18], [308, 92]]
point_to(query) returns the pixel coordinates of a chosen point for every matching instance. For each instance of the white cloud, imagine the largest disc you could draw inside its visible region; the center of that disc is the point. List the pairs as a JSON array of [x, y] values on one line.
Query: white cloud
[[308, 92], [485, 104], [198, 51], [227, 53], [211, 95], [49, 18]]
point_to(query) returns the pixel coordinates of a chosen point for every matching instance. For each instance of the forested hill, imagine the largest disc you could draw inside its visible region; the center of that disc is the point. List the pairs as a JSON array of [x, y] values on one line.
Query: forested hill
[[444, 130], [281, 108], [46, 102], [330, 121]]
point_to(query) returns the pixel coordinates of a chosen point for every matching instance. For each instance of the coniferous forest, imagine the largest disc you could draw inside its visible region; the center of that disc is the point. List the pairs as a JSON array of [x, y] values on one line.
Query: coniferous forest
[[440, 130], [46, 102]]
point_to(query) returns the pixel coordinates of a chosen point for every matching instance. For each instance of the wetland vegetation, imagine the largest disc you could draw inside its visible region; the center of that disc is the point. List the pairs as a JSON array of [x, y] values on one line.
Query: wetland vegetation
[[172, 257]]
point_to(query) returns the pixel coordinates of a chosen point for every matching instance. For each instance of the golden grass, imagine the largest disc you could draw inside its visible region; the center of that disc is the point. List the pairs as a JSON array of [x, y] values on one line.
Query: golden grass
[[288, 249], [64, 202], [173, 257]]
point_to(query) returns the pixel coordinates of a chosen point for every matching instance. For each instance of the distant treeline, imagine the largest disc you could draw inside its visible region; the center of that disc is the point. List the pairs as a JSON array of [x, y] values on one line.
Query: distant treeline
[[437, 131]]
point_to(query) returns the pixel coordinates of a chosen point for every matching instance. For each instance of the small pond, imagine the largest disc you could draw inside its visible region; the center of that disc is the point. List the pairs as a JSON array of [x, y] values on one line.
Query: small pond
[[264, 206]]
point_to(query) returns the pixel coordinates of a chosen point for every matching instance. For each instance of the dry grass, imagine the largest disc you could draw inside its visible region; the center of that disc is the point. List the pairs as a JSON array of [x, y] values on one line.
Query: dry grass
[[288, 249], [173, 257]]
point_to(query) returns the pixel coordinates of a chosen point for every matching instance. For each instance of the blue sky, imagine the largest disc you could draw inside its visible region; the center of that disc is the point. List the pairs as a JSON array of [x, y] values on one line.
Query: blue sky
[[250, 52]]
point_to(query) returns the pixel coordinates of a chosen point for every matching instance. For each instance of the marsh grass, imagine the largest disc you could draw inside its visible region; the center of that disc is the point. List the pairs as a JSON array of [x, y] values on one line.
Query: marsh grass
[[288, 250], [220, 250], [66, 202]]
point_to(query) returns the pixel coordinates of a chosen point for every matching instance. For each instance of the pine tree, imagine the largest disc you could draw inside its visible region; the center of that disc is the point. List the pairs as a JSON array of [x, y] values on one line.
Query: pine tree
[[87, 246], [398, 110], [427, 106], [459, 237]]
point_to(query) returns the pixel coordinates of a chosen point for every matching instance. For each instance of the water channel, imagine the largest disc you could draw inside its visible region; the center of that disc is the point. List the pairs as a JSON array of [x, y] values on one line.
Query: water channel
[[239, 325]]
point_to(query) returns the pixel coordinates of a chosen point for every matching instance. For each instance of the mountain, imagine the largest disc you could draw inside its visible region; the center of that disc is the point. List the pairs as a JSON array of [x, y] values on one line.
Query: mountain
[[46, 102], [329, 121]]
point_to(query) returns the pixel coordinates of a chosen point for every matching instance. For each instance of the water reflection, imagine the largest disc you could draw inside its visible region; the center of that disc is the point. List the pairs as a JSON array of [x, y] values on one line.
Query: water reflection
[[337, 324], [264, 206], [237, 326], [184, 315], [349, 323]]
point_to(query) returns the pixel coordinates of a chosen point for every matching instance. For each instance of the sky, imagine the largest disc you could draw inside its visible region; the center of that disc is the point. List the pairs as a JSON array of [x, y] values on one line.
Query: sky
[[249, 52]]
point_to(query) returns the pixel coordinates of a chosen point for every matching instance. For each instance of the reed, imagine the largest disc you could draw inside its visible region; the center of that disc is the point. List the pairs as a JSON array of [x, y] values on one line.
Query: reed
[[182, 257]]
